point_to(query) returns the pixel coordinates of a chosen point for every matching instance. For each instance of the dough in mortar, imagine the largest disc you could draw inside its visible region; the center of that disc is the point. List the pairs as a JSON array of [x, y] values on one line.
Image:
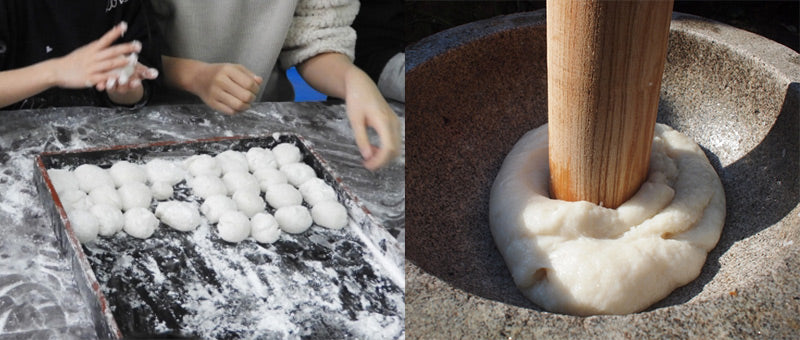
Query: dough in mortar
[[581, 258]]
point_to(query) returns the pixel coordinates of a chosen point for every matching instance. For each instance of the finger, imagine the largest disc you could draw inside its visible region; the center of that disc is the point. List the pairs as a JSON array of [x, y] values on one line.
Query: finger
[[119, 50], [236, 90], [108, 65], [358, 124], [220, 106], [232, 102], [390, 140], [245, 79], [112, 35]]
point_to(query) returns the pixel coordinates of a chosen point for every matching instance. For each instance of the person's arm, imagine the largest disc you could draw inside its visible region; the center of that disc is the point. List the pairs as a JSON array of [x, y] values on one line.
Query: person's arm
[[335, 75], [229, 88], [84, 67]]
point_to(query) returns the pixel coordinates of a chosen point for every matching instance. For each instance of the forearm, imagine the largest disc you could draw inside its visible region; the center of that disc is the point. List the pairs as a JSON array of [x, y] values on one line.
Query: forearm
[[180, 73], [329, 73], [25, 82]]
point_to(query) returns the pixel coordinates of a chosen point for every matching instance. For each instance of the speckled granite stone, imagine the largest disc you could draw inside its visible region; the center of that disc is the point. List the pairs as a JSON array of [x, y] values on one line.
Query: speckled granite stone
[[474, 90]]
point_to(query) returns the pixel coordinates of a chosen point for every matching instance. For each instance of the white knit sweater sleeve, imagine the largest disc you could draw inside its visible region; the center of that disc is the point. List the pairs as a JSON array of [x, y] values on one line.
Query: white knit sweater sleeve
[[320, 26]]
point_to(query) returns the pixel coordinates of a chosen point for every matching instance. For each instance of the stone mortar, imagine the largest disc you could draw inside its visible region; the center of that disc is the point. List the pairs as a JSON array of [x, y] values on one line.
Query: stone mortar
[[474, 90]]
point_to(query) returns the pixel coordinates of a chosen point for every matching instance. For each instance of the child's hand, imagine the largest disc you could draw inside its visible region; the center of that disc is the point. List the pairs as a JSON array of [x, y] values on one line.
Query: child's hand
[[131, 91], [229, 88], [366, 107], [93, 63]]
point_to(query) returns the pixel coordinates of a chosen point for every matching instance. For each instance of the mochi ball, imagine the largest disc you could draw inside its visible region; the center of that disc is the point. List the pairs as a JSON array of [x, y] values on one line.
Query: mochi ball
[[84, 225], [75, 200], [206, 186], [282, 195], [109, 217], [124, 172], [162, 170], [161, 190], [91, 176], [287, 153], [63, 180], [293, 219], [233, 226], [215, 206], [298, 173], [269, 176], [241, 181], [106, 194], [329, 214], [203, 165], [182, 216], [260, 158], [140, 223], [249, 203], [135, 195], [232, 161], [264, 228], [316, 190]]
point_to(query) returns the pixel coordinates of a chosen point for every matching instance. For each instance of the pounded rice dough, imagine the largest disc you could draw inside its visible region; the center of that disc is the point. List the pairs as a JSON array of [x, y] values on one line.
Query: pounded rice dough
[[316, 190], [181, 216], [135, 195], [91, 176], [329, 214], [283, 195], [214, 206], [260, 158], [298, 173], [287, 153], [84, 225], [249, 203], [63, 180], [233, 226], [140, 223], [109, 217], [232, 161], [268, 177], [581, 258], [75, 200], [293, 219], [264, 228], [123, 172], [161, 190], [241, 181], [162, 170], [202, 165], [106, 194], [206, 186]]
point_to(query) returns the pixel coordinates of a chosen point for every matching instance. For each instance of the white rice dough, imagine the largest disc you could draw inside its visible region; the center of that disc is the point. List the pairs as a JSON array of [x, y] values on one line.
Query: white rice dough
[[298, 173], [215, 206], [293, 219], [181, 216], [124, 73], [84, 225], [264, 228], [200, 165], [135, 195], [283, 195], [249, 203], [287, 153], [106, 194], [241, 181], [91, 176], [316, 190], [206, 186], [329, 214], [162, 170], [260, 158], [581, 258], [140, 223], [268, 177], [109, 217], [233, 226], [124, 172], [63, 180], [75, 200], [232, 161], [161, 190]]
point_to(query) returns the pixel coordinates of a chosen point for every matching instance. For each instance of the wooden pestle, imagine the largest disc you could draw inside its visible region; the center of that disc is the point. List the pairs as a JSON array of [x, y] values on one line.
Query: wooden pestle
[[604, 65]]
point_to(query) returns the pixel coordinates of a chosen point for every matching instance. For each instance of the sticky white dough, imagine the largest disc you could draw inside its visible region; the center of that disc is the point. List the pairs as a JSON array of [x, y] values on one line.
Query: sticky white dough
[[182, 216], [249, 203], [264, 228], [75, 200], [282, 195], [162, 170], [124, 172], [287, 153], [329, 214], [268, 177], [293, 219], [316, 190], [241, 181], [581, 258], [161, 190], [63, 180], [298, 173], [84, 225], [91, 176], [260, 158], [106, 194], [135, 195], [233, 226], [202, 165], [109, 217], [206, 186], [232, 161], [140, 223], [215, 206]]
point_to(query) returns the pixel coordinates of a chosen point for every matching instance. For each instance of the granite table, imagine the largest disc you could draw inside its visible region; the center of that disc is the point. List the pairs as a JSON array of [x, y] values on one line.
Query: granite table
[[38, 294]]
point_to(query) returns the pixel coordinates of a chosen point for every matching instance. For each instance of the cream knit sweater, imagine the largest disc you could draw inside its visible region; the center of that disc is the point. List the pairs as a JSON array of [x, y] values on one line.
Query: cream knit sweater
[[258, 34]]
